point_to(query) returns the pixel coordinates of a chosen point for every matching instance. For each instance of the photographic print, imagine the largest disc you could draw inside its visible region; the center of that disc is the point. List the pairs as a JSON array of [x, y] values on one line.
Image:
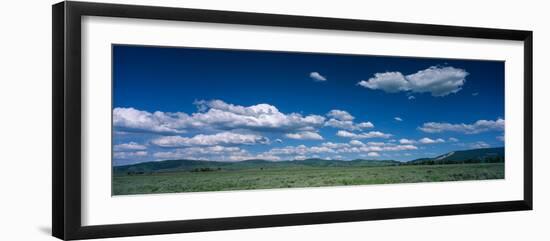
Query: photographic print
[[204, 119]]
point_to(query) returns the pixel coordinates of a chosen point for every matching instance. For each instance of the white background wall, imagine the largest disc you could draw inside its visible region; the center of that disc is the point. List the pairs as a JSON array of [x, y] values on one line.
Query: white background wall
[[25, 119]]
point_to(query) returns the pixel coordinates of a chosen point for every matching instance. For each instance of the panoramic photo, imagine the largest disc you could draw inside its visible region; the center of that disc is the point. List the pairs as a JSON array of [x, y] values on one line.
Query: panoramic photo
[[203, 119]]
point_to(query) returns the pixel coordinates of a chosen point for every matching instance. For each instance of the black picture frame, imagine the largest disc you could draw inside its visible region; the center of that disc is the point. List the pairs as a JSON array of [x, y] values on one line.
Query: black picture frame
[[66, 158]]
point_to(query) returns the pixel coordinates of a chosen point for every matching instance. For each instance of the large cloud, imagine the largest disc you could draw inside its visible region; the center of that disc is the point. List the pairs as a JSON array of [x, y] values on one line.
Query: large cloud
[[474, 128], [439, 81], [215, 115], [371, 134], [262, 116], [222, 138]]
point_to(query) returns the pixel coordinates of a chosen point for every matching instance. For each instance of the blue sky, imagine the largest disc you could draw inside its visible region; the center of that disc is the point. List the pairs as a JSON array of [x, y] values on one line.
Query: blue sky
[[233, 105]]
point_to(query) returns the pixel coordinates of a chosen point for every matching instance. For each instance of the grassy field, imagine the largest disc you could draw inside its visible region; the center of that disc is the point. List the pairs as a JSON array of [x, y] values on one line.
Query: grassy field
[[288, 177]]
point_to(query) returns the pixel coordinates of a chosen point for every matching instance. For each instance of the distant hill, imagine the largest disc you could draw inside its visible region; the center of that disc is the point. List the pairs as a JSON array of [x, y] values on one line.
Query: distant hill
[[456, 157], [482, 155], [205, 166]]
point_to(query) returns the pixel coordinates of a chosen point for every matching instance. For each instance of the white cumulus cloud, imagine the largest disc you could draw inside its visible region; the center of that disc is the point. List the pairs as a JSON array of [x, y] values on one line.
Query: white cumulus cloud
[[131, 146], [316, 76], [340, 115], [406, 141], [364, 125], [371, 134], [222, 138], [132, 119], [348, 125], [354, 146], [356, 143], [439, 81], [342, 119], [427, 140], [301, 150], [304, 135], [474, 128], [390, 82], [373, 154], [259, 117], [214, 153]]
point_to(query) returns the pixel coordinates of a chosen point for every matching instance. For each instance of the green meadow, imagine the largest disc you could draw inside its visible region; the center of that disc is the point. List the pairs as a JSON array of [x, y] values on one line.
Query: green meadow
[[247, 177]]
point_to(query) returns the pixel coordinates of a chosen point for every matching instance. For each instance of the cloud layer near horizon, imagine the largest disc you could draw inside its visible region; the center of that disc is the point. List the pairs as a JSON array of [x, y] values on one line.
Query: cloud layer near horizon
[[474, 128], [220, 130], [225, 132]]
